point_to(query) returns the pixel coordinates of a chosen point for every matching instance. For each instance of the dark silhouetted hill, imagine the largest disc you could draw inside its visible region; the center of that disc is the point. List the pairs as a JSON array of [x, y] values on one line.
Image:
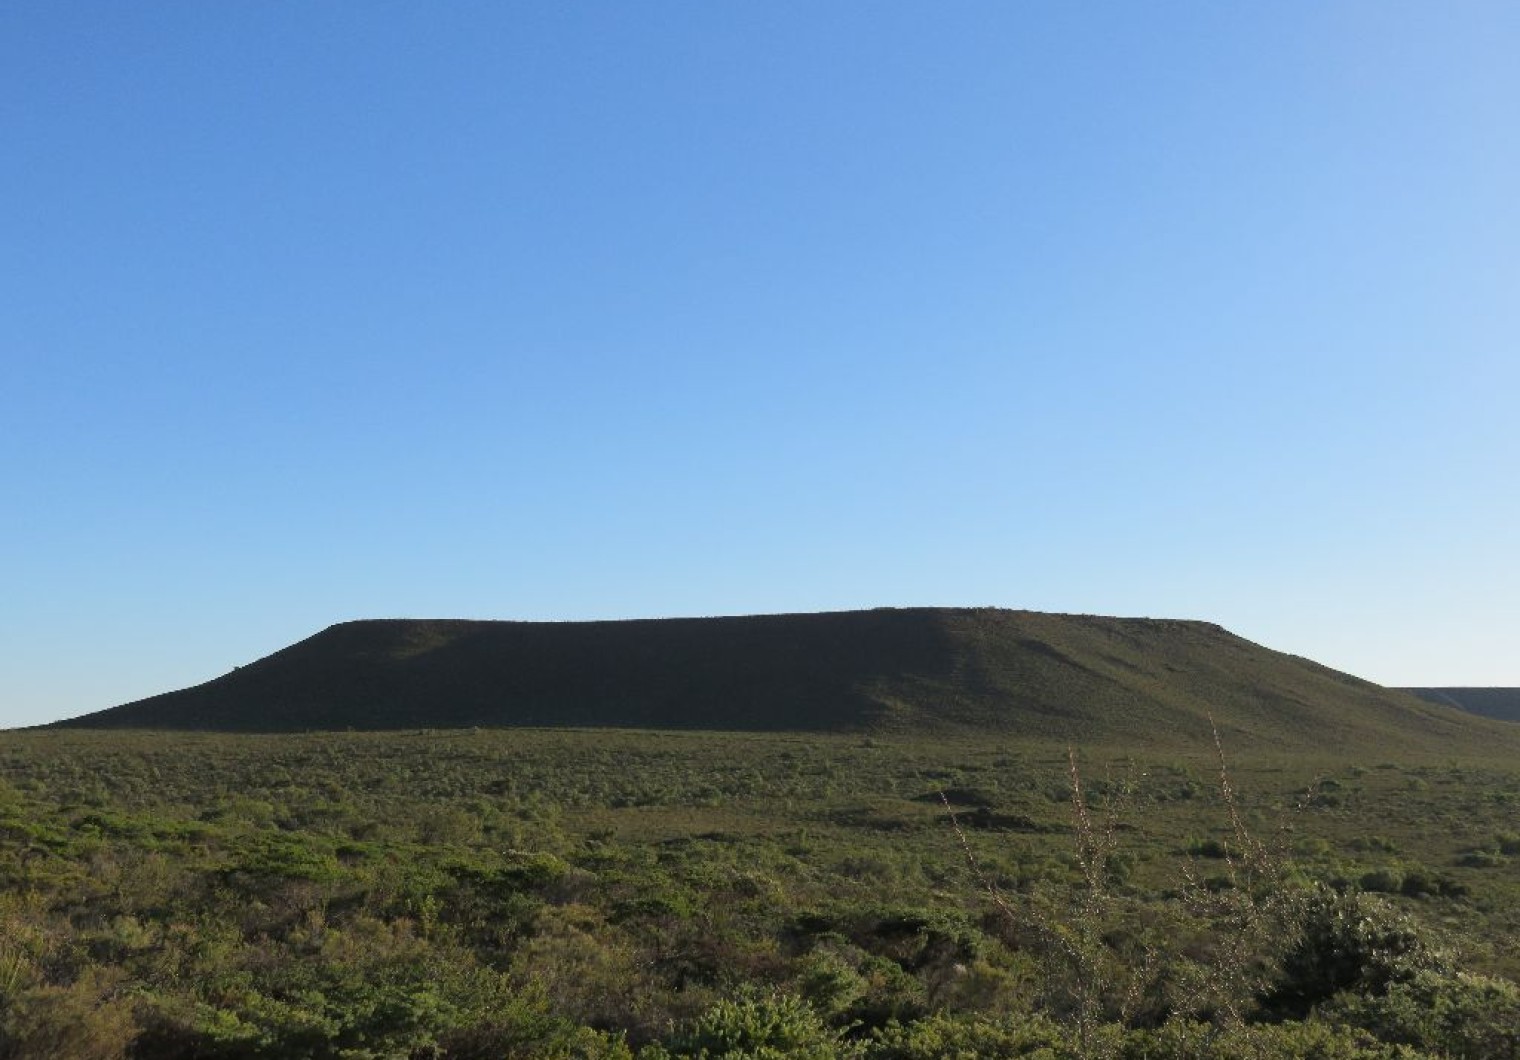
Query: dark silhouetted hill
[[1018, 673], [1502, 703]]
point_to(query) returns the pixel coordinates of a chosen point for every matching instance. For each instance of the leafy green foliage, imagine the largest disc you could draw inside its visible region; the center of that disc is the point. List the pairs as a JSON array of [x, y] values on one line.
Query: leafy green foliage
[[1466, 1017], [1348, 943], [760, 1027]]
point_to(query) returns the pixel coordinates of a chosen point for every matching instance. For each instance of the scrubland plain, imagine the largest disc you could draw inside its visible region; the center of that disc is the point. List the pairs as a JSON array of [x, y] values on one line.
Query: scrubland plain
[[577, 893]]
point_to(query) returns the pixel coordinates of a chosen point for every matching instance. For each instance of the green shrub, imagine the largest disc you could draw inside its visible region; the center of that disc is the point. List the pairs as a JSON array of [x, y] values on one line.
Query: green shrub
[[829, 982], [89, 1019], [276, 856], [1314, 1040], [1208, 848], [1481, 859], [759, 1027], [1381, 881], [1464, 1017], [1346, 942], [943, 1037]]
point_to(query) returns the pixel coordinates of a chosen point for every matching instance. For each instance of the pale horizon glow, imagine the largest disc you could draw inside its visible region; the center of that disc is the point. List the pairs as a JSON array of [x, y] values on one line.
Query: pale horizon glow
[[318, 312]]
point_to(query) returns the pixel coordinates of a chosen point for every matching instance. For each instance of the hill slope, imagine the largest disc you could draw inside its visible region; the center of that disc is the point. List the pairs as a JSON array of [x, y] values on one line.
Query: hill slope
[[1068, 677], [1502, 703]]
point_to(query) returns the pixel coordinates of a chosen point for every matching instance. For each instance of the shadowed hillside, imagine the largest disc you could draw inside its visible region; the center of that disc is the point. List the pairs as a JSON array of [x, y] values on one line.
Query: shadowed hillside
[[1502, 703], [1068, 677]]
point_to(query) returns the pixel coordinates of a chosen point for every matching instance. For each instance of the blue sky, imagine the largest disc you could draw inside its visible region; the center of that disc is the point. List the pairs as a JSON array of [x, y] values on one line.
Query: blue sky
[[322, 311]]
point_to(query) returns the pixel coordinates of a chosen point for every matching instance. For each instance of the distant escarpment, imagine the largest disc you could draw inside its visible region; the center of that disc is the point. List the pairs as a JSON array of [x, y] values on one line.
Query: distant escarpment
[[1011, 673], [1502, 703]]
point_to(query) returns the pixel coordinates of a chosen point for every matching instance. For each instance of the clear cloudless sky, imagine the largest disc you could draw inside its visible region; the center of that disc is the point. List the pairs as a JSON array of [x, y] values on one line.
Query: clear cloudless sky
[[329, 310]]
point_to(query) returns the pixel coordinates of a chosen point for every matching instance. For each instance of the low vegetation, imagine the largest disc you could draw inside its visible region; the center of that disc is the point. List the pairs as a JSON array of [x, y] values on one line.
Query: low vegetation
[[560, 893]]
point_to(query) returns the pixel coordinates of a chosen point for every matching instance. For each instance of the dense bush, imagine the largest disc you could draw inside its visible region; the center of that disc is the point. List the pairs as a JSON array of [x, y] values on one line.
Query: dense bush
[[1347, 943], [1464, 1017], [773, 1026]]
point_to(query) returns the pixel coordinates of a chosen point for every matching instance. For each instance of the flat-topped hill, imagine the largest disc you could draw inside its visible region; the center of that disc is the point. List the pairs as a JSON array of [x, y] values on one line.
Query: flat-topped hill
[[1016, 673], [1503, 703]]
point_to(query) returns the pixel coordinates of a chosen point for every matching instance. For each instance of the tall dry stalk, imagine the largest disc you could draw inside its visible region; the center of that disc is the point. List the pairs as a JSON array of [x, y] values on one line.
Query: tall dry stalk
[[1085, 980], [1249, 919]]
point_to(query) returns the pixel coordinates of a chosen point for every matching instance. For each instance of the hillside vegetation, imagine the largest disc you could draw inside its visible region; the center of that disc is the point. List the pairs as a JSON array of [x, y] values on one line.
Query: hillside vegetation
[[1017, 673]]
